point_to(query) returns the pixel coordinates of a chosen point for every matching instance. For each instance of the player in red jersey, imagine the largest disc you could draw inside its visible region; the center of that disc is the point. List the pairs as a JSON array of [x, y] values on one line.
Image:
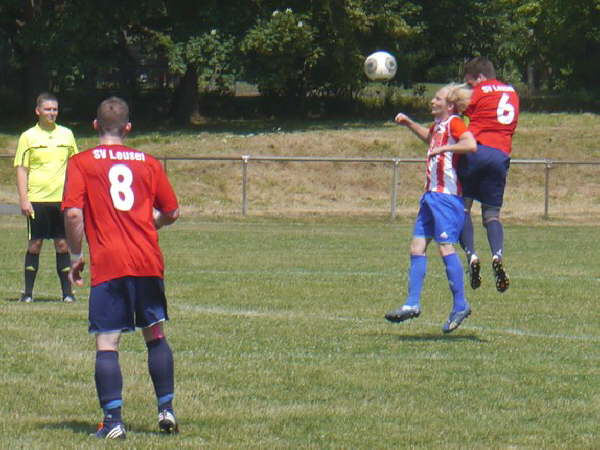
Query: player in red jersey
[[493, 114], [119, 197]]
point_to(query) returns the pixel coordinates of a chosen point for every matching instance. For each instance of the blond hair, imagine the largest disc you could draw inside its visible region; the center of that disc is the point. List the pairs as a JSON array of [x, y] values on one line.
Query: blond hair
[[459, 95]]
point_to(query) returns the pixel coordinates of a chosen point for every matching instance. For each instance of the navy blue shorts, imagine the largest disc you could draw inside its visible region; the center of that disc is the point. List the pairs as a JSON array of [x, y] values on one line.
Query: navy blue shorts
[[483, 175], [125, 303], [441, 217], [47, 221]]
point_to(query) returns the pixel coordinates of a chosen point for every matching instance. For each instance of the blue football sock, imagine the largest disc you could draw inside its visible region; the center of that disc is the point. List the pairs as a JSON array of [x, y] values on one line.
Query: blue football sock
[[161, 368], [467, 237], [454, 272], [416, 276], [109, 384], [495, 235]]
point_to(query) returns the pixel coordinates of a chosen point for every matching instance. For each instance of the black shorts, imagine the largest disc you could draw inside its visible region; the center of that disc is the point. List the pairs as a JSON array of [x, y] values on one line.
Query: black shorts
[[125, 303], [47, 222]]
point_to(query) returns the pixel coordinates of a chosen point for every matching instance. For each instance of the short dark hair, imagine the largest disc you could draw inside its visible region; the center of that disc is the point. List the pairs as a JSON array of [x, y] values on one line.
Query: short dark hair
[[112, 116], [480, 65], [45, 97]]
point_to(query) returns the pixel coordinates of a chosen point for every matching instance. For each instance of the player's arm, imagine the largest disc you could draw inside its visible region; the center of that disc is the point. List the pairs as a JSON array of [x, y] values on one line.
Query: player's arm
[[418, 130], [22, 180], [74, 230], [162, 219], [465, 141], [166, 207], [466, 144]]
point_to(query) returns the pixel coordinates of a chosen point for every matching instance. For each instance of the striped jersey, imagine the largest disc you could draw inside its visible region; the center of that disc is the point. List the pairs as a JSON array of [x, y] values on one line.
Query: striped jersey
[[441, 169]]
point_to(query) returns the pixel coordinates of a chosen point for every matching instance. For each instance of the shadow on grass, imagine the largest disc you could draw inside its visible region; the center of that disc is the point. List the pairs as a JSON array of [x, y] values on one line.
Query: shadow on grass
[[75, 426], [89, 428], [441, 337], [35, 299]]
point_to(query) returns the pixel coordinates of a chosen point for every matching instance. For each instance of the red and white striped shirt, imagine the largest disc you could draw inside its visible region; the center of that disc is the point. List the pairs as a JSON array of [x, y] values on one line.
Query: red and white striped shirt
[[441, 169]]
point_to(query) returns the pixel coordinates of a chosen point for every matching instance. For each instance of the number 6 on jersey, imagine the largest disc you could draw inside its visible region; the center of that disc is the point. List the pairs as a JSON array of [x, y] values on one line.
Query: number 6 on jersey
[[505, 111]]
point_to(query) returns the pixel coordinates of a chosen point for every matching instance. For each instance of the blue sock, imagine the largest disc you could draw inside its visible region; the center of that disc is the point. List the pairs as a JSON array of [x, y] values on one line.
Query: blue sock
[[416, 276], [454, 272], [495, 235], [161, 368], [109, 384], [467, 237]]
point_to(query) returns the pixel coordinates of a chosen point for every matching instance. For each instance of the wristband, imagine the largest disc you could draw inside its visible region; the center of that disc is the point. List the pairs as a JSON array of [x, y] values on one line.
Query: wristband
[[76, 257]]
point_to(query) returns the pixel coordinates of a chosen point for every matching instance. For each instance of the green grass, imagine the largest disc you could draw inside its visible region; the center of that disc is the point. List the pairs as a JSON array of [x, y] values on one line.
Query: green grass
[[278, 333]]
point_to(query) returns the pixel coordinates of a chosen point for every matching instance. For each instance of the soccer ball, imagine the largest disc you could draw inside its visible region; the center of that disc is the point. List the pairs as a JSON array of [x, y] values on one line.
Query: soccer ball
[[380, 66]]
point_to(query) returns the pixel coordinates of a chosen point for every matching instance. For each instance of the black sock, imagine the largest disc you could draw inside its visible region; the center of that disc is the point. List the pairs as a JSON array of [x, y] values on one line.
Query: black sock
[[109, 384], [161, 368], [495, 234], [32, 262], [63, 264]]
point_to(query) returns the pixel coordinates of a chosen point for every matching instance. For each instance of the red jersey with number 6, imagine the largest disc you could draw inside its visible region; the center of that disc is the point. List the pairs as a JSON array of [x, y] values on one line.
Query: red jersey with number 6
[[493, 113], [117, 188]]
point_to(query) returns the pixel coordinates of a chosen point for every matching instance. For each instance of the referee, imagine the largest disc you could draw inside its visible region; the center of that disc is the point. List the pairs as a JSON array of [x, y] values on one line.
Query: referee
[[40, 162]]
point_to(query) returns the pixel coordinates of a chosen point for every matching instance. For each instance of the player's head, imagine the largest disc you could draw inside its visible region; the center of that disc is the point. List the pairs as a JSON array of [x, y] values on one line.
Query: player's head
[[479, 69], [459, 96], [112, 118], [440, 108], [46, 108]]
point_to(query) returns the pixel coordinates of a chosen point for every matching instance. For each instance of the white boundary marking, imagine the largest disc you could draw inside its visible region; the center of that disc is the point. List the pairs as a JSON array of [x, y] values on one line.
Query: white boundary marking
[[288, 315]]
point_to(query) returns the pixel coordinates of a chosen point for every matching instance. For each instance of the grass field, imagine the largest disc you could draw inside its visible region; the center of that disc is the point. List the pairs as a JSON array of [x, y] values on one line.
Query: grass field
[[280, 342]]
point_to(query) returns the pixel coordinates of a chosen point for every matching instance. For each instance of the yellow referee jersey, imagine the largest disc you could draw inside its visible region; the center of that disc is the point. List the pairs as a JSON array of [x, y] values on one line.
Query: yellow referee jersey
[[45, 154]]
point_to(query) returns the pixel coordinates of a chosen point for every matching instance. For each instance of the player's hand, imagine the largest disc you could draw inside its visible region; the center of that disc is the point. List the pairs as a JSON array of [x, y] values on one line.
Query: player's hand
[[27, 208], [401, 119], [75, 272], [437, 150]]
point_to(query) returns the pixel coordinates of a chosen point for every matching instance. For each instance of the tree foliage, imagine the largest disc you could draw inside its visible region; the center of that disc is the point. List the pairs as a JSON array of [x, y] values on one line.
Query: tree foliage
[[293, 49]]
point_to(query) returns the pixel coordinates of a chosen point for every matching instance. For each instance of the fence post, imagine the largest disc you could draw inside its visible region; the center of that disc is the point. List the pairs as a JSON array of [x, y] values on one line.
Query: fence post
[[245, 160], [547, 168], [394, 193]]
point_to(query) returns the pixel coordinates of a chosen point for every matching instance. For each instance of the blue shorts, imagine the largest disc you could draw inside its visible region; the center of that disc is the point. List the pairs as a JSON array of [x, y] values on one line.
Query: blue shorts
[[483, 175], [125, 303], [441, 217]]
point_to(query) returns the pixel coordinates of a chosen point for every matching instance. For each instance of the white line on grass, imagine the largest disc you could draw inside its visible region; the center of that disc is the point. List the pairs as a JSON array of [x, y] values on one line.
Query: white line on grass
[[289, 315], [401, 274]]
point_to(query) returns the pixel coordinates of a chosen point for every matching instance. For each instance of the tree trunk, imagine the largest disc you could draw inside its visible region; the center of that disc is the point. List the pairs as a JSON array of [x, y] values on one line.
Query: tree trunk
[[185, 104], [531, 78], [35, 79], [35, 74]]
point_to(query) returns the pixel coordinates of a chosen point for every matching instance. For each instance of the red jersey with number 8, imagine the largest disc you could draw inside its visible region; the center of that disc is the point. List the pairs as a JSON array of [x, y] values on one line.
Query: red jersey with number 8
[[117, 188], [493, 113]]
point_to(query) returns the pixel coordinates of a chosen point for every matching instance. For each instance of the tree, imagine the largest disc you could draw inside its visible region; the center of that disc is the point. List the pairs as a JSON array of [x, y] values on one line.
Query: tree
[[281, 52]]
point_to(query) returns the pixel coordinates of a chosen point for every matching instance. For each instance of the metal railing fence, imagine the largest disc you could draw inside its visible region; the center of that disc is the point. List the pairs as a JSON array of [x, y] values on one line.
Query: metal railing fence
[[394, 163]]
